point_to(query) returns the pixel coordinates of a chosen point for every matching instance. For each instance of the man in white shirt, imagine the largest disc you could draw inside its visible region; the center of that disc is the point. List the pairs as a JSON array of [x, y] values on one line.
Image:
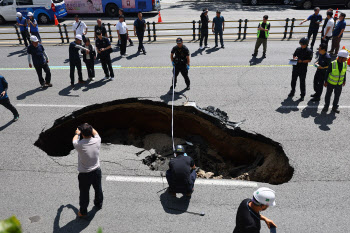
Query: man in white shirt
[[122, 31], [329, 29], [88, 166], [79, 28]]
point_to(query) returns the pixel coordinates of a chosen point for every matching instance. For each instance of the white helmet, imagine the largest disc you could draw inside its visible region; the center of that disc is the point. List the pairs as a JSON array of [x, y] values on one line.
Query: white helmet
[[265, 196], [19, 14], [343, 53], [78, 37], [34, 38], [30, 14]]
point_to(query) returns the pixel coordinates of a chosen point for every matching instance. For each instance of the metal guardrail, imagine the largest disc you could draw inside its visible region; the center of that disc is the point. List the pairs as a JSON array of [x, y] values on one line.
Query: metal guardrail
[[239, 29]]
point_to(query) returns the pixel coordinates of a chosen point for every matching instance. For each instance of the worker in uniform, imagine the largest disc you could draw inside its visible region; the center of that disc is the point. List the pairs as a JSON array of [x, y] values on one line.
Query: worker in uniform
[[180, 58], [303, 55], [74, 58], [33, 24], [322, 65], [181, 174], [263, 34], [104, 49], [248, 214], [139, 31], [5, 100], [23, 27], [335, 80]]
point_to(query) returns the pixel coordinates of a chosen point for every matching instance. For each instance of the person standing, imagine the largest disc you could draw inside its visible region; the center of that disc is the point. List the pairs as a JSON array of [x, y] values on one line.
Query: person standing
[[139, 31], [23, 27], [180, 58], [338, 34], [328, 29], [248, 214], [322, 65], [218, 27], [33, 24], [74, 59], [181, 174], [104, 49], [121, 12], [315, 20], [5, 100], [303, 55], [89, 58], [79, 28], [204, 29], [263, 34], [100, 27], [122, 31], [335, 80], [36, 52], [325, 23], [90, 173]]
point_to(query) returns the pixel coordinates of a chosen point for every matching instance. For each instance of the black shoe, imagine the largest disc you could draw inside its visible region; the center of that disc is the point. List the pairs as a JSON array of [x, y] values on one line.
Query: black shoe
[[264, 55], [188, 88], [254, 54], [171, 87], [215, 46], [144, 52], [301, 98], [315, 99], [222, 46], [98, 207], [335, 110], [325, 109], [15, 118], [131, 44], [72, 85], [291, 94], [313, 95]]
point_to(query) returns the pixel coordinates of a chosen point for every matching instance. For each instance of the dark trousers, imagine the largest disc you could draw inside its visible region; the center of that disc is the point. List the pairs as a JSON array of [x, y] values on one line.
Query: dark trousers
[[39, 70], [123, 40], [177, 188], [37, 35], [26, 37], [325, 41], [140, 37], [107, 66], [314, 35], [184, 72], [93, 178], [90, 66], [337, 92], [7, 104], [216, 38], [74, 64], [302, 76], [318, 82], [335, 44], [204, 35], [258, 43]]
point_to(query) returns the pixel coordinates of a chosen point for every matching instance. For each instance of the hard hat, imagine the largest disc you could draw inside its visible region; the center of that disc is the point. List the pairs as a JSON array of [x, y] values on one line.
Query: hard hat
[[30, 14], [304, 41], [180, 149], [343, 53], [19, 14], [78, 37], [34, 38], [265, 196]]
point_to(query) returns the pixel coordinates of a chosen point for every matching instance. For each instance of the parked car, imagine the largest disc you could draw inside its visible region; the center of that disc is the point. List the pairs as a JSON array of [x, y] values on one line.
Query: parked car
[[307, 4], [256, 2]]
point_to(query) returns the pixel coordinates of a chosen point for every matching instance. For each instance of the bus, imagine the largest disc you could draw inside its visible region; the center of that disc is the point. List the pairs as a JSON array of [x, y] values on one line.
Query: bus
[[110, 7]]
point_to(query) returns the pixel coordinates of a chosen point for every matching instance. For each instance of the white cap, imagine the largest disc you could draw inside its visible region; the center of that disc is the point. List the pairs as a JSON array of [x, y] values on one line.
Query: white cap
[[265, 196], [79, 37], [34, 38], [18, 14], [30, 14], [343, 53]]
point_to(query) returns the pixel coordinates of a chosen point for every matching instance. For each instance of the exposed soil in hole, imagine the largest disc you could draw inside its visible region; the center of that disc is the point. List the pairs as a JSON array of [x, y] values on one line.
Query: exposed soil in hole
[[224, 151]]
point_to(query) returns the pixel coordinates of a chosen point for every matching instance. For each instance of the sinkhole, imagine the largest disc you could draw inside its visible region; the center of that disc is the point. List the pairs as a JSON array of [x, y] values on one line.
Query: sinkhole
[[217, 145]]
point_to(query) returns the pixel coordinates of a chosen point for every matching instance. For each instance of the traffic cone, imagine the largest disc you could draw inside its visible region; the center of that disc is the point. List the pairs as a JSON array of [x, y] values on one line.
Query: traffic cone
[[159, 18], [336, 14], [56, 20]]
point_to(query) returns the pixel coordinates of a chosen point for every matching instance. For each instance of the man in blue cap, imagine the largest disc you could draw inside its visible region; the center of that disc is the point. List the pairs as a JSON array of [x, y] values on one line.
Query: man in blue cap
[[181, 174]]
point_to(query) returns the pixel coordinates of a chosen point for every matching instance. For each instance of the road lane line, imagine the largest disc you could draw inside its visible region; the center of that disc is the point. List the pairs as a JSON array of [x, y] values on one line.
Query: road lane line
[[146, 179], [309, 107], [51, 105]]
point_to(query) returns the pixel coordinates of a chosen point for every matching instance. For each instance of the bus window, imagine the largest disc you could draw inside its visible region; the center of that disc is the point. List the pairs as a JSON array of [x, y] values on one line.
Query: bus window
[[6, 3], [24, 2]]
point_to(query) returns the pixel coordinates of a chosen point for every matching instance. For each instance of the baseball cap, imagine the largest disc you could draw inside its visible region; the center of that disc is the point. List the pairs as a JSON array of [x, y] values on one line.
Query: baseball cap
[[79, 37], [34, 38], [19, 14], [218, 11], [179, 40], [343, 53]]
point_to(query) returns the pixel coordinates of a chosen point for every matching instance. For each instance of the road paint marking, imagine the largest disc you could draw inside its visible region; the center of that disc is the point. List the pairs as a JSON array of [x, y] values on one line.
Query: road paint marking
[[310, 107], [146, 179], [51, 105]]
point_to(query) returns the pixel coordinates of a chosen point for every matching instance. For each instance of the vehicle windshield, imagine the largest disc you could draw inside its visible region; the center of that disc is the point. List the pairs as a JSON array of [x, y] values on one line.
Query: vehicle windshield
[[57, 1]]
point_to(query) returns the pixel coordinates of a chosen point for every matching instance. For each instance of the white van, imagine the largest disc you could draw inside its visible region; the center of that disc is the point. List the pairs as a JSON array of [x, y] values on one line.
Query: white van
[[43, 10]]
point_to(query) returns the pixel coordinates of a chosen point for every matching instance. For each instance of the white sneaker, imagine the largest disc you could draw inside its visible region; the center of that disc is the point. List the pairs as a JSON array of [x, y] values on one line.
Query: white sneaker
[[126, 54], [201, 47], [112, 78], [105, 78], [92, 79], [207, 46]]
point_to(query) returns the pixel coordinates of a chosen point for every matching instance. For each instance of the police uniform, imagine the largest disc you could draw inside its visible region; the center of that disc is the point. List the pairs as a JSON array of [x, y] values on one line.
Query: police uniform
[[323, 61], [180, 63], [105, 56]]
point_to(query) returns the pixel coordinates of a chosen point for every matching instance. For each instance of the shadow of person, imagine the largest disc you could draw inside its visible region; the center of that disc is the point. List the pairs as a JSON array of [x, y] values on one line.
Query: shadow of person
[[116, 59], [67, 92], [198, 51], [211, 50], [20, 53], [288, 105], [66, 61], [324, 120], [254, 61], [97, 84], [29, 93], [133, 56], [168, 96], [6, 125], [310, 110], [76, 225], [174, 205]]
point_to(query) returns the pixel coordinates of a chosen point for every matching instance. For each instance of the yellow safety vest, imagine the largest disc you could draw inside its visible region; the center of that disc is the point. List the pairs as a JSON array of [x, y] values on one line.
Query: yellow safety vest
[[336, 77], [267, 33]]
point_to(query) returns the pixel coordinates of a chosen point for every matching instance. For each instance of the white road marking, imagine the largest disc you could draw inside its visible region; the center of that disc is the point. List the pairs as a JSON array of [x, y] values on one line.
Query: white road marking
[[146, 179], [50, 105], [312, 107]]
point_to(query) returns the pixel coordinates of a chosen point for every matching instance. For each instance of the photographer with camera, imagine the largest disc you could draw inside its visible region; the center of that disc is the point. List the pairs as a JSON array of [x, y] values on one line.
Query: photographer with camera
[[88, 148]]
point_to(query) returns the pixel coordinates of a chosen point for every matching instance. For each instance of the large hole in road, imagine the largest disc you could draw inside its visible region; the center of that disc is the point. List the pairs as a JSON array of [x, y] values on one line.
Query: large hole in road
[[223, 150]]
